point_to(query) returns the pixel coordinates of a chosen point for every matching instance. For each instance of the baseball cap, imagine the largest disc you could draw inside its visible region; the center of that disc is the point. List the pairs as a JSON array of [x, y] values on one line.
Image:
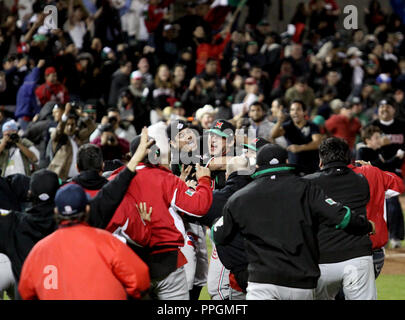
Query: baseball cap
[[10, 125], [383, 78], [137, 75], [256, 144], [271, 154], [71, 200], [175, 127], [50, 70], [222, 128], [44, 184], [385, 101]]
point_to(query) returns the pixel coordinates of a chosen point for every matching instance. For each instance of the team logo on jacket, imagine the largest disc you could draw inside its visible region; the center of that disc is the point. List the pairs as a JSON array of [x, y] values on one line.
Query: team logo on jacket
[[190, 192], [330, 201], [219, 124]]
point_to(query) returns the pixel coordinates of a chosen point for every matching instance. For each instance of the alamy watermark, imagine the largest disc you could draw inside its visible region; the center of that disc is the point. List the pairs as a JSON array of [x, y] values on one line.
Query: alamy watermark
[[351, 21], [51, 19]]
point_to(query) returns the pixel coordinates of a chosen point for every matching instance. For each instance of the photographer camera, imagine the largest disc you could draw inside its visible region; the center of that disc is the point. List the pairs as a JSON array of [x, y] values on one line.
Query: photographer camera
[[112, 146], [17, 155], [122, 129], [66, 140]]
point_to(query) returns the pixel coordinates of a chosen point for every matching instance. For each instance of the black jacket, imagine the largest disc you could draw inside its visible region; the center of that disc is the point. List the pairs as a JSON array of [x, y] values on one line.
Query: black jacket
[[90, 180], [278, 214], [344, 186], [20, 231], [232, 255]]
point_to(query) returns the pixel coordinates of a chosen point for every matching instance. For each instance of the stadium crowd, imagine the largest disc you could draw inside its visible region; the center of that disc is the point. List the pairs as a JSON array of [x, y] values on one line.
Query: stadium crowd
[[160, 122]]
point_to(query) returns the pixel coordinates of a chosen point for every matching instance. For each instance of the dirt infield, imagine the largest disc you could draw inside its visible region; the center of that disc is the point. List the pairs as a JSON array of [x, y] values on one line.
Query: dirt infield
[[394, 261]]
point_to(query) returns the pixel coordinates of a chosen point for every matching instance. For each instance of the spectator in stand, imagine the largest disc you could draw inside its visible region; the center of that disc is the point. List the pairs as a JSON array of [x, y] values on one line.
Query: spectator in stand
[[394, 140], [143, 67], [52, 89], [122, 130], [374, 16], [301, 91], [27, 106], [65, 142], [344, 125], [112, 146], [303, 137], [120, 80], [17, 155], [75, 24], [194, 97], [160, 91]]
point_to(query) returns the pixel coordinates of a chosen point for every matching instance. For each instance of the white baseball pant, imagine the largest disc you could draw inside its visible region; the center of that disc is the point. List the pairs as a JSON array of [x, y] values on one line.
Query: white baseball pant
[[355, 276], [268, 291], [173, 287], [6, 275], [195, 251], [218, 278]]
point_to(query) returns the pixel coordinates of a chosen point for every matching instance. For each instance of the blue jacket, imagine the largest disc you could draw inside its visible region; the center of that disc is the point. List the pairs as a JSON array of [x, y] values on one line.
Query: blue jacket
[[27, 104]]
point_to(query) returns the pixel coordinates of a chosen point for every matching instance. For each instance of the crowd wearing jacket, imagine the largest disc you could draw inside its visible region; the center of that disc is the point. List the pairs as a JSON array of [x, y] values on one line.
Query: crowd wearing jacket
[[213, 83]]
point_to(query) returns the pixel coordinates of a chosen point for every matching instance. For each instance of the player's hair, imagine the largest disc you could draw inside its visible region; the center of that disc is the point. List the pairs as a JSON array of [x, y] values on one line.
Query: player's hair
[[89, 157], [304, 107], [334, 149], [368, 131], [258, 104]]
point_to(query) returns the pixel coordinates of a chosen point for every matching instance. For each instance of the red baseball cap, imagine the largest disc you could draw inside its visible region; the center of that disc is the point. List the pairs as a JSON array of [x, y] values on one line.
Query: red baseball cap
[[49, 70]]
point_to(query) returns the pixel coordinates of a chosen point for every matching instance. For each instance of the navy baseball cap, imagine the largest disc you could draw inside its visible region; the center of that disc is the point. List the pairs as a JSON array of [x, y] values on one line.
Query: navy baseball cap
[[71, 200], [222, 128], [256, 144]]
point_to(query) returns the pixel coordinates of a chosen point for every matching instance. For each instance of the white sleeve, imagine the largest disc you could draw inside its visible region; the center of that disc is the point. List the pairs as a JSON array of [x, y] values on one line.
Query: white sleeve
[[35, 151]]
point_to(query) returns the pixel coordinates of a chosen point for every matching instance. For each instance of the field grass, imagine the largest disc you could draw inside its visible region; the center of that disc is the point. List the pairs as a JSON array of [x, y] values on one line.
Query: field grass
[[389, 287]]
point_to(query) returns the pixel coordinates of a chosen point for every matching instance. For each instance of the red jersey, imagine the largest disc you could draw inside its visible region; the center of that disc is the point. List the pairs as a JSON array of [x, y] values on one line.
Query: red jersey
[[82, 263], [342, 127], [52, 92], [169, 197], [383, 185]]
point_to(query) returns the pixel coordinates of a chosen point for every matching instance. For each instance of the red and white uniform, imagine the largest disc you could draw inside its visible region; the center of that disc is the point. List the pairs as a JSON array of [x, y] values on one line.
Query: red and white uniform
[[383, 185], [169, 197]]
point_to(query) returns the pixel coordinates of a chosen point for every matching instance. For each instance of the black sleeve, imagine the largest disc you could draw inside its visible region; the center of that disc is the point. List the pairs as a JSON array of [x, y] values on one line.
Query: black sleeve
[[104, 204], [224, 228], [8, 222], [218, 202], [335, 214], [219, 199]]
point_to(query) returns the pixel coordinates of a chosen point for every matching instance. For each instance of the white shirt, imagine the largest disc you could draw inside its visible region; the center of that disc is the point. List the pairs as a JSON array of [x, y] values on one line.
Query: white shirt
[[73, 170], [15, 163], [77, 33]]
